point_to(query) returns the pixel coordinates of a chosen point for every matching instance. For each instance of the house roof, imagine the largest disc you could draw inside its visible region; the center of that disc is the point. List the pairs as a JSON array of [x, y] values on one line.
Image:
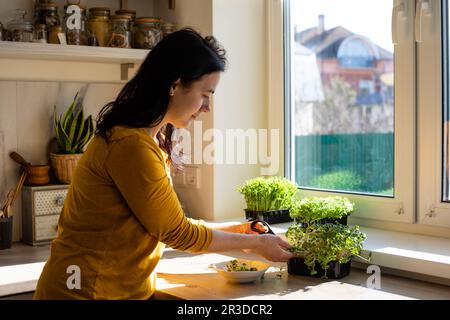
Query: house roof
[[326, 44]]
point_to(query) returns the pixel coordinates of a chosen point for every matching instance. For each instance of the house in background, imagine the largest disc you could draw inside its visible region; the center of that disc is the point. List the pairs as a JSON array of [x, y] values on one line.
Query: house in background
[[364, 65]]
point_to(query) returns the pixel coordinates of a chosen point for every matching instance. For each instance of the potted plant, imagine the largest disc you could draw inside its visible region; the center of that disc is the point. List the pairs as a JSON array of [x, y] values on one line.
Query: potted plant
[[72, 133], [324, 250], [268, 199], [321, 210]]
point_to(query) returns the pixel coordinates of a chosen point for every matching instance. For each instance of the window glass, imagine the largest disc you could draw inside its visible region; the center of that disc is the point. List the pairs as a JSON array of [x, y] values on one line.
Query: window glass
[[343, 101]]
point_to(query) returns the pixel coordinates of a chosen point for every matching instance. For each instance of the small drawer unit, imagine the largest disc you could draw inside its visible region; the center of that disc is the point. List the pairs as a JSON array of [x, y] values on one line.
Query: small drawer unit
[[41, 207]]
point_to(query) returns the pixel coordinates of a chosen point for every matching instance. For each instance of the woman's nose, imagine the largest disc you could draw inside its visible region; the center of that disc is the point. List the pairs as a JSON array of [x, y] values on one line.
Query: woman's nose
[[205, 108]]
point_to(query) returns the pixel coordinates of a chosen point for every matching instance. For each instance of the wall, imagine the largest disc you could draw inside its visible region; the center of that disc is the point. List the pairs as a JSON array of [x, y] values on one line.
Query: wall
[[241, 101]]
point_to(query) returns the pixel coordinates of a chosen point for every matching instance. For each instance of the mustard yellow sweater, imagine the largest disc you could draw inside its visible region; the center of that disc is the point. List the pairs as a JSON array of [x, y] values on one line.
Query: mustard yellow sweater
[[119, 213]]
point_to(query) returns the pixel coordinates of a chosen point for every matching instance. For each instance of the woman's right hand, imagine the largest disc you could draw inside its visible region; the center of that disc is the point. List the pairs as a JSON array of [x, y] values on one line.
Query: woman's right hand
[[273, 248], [269, 246]]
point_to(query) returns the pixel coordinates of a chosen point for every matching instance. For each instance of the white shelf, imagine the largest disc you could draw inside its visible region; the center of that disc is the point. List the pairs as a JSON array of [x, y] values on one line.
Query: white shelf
[[43, 51], [53, 62]]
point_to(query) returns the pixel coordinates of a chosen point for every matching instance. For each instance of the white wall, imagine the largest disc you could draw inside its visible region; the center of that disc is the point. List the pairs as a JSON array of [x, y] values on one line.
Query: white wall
[[241, 101]]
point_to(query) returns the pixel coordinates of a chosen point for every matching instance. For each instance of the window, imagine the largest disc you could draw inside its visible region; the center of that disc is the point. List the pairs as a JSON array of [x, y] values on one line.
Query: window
[[350, 87], [431, 35]]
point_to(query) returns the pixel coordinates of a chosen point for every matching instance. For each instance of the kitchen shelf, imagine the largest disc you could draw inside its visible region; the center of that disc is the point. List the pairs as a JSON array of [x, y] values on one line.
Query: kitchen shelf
[[49, 62], [44, 51]]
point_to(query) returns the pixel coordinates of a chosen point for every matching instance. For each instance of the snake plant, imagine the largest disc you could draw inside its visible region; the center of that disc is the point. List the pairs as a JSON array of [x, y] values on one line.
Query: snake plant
[[72, 130]]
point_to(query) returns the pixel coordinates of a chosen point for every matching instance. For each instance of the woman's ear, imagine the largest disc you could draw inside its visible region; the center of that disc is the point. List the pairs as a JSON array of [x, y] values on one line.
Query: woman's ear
[[174, 87]]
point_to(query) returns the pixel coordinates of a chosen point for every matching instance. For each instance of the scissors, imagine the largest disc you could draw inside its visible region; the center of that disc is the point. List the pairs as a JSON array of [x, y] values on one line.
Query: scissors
[[260, 226]]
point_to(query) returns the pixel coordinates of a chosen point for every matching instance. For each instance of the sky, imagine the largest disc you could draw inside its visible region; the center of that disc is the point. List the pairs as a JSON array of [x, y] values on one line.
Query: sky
[[370, 18]]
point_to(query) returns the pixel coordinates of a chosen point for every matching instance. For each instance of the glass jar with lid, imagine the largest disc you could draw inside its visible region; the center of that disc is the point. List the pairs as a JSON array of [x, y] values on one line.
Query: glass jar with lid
[[40, 34], [168, 28], [127, 12], [147, 32], [75, 24], [46, 13], [55, 34], [98, 25], [120, 31], [19, 29]]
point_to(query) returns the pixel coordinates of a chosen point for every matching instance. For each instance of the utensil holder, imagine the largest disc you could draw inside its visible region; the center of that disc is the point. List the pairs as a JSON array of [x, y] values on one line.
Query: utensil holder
[[6, 230]]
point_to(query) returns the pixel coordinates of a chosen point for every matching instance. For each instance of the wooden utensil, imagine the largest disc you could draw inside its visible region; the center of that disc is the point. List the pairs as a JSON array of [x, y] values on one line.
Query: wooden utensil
[[12, 195], [19, 159], [19, 186], [6, 206], [37, 175]]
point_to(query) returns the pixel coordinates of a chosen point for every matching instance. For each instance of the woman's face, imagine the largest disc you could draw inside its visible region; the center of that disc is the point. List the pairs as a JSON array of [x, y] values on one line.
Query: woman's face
[[186, 104]]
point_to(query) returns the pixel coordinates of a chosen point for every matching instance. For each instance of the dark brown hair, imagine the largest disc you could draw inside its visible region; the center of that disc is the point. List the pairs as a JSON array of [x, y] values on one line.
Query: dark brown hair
[[144, 100]]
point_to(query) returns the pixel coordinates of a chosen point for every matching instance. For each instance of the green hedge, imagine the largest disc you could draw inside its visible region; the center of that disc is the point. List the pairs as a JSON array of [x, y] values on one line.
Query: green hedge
[[351, 162]]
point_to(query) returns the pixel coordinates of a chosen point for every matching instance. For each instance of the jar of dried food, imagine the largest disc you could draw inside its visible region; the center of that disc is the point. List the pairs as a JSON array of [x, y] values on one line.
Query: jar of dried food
[[98, 25], [46, 13], [126, 12], [147, 33], [75, 23], [19, 29], [40, 34], [168, 28], [120, 31], [55, 35]]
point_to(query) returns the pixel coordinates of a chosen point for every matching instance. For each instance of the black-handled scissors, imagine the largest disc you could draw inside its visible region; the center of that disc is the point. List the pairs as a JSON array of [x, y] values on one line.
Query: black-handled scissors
[[260, 226]]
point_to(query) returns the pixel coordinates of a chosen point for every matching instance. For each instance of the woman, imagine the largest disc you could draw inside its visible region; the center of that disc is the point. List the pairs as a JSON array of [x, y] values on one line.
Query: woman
[[121, 209]]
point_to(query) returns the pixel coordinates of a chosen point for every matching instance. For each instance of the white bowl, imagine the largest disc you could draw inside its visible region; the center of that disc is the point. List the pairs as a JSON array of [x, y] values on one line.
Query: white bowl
[[242, 276]]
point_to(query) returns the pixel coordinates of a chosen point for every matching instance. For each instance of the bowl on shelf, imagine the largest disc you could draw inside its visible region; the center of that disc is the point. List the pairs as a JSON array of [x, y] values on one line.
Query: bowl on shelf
[[250, 270]]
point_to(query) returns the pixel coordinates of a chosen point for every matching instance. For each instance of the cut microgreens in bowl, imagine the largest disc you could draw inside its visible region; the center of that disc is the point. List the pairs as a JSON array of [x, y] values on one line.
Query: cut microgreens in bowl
[[235, 265]]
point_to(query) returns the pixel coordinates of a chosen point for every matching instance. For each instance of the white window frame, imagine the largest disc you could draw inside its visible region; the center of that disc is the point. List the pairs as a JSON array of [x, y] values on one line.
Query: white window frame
[[431, 210], [401, 207]]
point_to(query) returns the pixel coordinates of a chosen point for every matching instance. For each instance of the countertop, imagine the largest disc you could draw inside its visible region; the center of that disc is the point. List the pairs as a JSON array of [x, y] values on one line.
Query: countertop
[[184, 275]]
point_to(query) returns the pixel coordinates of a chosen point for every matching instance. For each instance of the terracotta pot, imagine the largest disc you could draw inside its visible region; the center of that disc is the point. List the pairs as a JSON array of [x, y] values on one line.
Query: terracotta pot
[[64, 165]]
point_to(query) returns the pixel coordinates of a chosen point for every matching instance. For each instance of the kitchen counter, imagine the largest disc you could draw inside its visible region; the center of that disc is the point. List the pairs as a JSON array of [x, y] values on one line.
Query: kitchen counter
[[184, 275], [188, 276]]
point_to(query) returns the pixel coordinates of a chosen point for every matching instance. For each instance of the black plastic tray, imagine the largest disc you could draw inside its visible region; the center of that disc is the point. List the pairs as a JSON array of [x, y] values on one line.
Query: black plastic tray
[[273, 216], [342, 221], [336, 270]]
